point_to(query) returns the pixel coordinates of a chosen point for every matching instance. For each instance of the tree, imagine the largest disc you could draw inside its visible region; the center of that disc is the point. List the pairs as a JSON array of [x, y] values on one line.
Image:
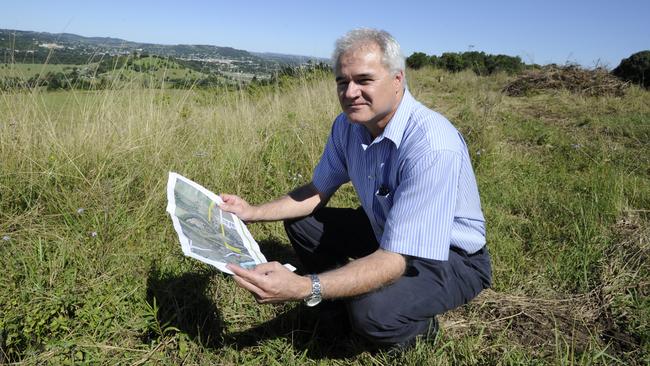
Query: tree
[[417, 60], [505, 63], [55, 80], [476, 61], [434, 61], [452, 61]]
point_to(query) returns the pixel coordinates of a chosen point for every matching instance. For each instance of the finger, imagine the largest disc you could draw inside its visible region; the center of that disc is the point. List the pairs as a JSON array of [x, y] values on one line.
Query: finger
[[264, 268], [230, 198], [249, 275], [261, 297], [236, 269], [226, 203], [230, 206], [270, 267], [226, 207], [257, 292]]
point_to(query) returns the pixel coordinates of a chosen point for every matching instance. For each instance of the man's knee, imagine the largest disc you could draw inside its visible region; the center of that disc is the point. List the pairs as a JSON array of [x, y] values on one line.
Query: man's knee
[[380, 324], [302, 233], [289, 226]]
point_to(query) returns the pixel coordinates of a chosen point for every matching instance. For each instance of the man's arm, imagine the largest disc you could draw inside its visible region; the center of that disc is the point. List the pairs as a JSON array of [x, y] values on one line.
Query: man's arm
[[302, 201], [363, 275], [273, 283]]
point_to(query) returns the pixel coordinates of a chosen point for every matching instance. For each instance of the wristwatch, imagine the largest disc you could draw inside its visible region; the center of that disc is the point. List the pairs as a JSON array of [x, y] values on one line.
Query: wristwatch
[[315, 297]]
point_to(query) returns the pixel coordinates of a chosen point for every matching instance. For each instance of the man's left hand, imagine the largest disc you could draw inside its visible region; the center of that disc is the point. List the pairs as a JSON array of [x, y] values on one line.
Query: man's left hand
[[272, 282]]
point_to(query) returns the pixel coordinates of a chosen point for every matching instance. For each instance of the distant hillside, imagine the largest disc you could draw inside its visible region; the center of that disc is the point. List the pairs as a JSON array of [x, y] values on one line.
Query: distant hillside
[[64, 48], [290, 59]]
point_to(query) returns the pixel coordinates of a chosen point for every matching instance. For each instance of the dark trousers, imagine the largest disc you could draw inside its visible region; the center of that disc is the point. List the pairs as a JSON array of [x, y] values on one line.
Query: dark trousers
[[396, 313]]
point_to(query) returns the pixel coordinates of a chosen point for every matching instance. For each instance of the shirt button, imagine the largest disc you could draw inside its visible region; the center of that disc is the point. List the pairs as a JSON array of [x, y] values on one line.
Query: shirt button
[[371, 177]]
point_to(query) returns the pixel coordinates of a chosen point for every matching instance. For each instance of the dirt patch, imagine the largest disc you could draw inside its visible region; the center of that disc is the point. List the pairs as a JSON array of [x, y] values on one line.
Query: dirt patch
[[533, 323], [625, 292], [615, 314], [597, 82]]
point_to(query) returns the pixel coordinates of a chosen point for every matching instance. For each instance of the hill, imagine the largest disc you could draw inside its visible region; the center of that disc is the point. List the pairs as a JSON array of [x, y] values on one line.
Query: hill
[[64, 48]]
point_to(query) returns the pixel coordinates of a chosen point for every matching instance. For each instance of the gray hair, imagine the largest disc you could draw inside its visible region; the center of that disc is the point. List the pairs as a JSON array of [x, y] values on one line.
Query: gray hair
[[392, 56]]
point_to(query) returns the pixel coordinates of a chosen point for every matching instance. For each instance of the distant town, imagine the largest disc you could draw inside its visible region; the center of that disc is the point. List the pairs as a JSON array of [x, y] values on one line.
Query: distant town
[[64, 48]]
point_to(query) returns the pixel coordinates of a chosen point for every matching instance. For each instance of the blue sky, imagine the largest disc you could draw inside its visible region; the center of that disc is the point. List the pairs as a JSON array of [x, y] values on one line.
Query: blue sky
[[586, 32]]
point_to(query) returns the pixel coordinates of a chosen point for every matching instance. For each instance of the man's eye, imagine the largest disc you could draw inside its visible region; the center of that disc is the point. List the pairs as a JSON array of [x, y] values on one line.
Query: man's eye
[[364, 81]]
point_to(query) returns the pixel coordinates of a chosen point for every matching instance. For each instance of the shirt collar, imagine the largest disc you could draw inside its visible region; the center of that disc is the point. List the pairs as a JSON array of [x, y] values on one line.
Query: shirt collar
[[394, 130]]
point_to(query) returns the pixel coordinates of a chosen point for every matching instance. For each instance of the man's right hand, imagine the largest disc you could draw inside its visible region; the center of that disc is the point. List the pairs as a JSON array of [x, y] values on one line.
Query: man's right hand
[[238, 206]]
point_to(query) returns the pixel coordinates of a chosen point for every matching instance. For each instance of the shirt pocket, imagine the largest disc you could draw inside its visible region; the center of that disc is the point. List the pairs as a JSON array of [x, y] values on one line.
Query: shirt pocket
[[385, 202]]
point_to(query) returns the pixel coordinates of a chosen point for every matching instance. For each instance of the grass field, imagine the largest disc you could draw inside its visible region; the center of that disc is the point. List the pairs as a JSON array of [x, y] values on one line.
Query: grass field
[[147, 71], [26, 71], [94, 273]]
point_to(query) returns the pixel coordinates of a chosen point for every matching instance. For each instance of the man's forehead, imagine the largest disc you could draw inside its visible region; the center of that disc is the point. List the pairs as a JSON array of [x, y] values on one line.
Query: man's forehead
[[363, 60], [361, 50]]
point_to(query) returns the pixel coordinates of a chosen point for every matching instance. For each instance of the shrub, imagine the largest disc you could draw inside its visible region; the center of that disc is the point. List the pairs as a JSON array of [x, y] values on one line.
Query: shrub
[[635, 69]]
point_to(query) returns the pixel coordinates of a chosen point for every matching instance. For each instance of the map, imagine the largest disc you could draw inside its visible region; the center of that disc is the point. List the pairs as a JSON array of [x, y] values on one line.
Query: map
[[206, 232]]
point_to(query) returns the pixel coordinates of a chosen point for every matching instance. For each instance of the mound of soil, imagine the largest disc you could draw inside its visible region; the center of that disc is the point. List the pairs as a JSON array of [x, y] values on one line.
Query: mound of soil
[[597, 82]]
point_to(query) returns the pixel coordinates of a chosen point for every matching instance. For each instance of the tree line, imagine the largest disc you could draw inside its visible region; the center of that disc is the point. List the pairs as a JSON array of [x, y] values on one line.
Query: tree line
[[479, 62]]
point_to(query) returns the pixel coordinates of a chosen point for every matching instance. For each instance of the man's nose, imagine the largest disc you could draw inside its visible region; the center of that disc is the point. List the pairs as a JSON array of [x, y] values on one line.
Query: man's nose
[[352, 90]]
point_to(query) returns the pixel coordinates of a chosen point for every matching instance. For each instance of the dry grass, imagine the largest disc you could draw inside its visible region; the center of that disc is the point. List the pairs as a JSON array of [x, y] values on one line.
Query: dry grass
[[530, 322]]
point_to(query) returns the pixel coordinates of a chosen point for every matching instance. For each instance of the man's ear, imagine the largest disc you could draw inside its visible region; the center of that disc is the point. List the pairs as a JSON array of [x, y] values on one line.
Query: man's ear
[[398, 80]]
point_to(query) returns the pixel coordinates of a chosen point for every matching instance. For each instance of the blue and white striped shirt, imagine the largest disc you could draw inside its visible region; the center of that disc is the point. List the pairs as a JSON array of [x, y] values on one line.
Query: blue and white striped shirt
[[415, 181]]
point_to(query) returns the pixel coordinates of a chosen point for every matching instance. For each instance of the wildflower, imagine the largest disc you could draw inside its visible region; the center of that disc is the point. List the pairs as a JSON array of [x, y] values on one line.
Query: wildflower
[[80, 210], [296, 176], [93, 234], [576, 146], [6, 238]]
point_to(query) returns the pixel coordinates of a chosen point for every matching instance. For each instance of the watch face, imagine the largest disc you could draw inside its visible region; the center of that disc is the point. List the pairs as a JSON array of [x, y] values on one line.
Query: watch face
[[313, 301]]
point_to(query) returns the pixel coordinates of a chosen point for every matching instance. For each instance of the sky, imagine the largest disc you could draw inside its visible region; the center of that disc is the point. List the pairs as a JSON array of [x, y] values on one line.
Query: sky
[[590, 33]]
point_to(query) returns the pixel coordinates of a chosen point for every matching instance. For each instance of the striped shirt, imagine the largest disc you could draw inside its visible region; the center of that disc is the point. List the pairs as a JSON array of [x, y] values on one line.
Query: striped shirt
[[415, 181]]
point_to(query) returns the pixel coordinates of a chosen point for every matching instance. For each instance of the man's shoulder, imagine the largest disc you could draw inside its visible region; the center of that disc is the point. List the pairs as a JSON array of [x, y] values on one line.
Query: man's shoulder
[[431, 128], [341, 124]]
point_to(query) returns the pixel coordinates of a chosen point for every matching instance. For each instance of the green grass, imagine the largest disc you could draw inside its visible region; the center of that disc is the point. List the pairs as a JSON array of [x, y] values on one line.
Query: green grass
[[25, 71], [564, 182], [157, 69]]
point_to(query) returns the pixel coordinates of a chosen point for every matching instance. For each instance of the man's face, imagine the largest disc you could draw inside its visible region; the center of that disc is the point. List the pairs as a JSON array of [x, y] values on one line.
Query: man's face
[[368, 92]]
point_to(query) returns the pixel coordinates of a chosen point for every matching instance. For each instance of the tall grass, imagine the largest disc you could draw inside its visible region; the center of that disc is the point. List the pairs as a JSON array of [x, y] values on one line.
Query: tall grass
[[94, 273]]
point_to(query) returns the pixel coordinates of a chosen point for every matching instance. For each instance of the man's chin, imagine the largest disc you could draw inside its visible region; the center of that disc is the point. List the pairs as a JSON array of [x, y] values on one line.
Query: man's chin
[[356, 117]]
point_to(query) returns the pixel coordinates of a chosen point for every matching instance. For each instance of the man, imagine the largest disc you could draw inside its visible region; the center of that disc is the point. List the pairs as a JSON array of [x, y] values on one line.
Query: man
[[416, 248]]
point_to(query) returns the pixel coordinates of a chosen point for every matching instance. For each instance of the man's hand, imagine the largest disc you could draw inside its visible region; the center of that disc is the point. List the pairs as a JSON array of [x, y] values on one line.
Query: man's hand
[[272, 282], [239, 207]]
